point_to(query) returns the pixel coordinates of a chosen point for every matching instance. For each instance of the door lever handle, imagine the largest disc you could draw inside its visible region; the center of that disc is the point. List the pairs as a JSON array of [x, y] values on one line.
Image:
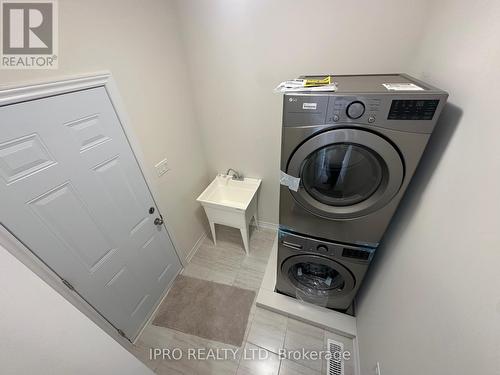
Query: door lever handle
[[159, 220]]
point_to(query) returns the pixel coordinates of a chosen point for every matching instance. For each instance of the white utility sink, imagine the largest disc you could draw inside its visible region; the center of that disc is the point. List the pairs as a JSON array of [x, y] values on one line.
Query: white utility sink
[[231, 202]]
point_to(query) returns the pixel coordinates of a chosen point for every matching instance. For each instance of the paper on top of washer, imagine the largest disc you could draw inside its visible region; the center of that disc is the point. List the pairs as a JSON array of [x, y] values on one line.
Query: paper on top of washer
[[402, 87], [298, 85]]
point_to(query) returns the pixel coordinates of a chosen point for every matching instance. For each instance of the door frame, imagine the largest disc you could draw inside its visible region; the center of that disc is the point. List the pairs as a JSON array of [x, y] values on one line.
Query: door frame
[[14, 94]]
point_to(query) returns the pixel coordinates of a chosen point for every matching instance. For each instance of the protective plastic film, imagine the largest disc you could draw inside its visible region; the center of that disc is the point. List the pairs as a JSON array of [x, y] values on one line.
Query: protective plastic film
[[290, 181]]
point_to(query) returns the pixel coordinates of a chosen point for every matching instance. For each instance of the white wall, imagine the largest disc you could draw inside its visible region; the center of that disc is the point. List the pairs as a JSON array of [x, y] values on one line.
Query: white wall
[[238, 51], [139, 44], [42, 333], [431, 304]]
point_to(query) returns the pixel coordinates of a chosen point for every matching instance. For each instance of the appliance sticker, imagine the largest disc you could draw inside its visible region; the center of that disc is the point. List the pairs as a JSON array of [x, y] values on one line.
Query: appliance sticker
[[402, 87], [309, 105], [291, 182]]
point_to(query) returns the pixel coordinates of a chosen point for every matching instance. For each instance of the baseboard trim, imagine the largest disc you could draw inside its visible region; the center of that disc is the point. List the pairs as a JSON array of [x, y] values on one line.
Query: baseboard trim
[[267, 225], [357, 361], [195, 248]]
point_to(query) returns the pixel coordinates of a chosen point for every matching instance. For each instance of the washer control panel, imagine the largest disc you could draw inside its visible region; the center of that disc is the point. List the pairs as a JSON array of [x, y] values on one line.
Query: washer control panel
[[412, 109], [412, 112], [302, 244], [344, 108]]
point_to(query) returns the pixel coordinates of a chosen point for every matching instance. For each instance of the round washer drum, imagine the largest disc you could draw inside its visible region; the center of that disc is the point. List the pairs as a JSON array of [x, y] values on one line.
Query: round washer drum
[[346, 173], [315, 276]]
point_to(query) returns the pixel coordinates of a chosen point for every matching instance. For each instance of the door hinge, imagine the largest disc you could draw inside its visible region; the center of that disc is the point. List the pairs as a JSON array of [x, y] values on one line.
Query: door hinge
[[67, 283]]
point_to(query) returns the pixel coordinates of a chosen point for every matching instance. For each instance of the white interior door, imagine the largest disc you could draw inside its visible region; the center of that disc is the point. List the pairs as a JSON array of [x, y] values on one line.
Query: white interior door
[[71, 190]]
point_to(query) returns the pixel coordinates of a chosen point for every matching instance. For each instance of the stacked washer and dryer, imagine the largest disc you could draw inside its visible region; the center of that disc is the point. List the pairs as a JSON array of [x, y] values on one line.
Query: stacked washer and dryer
[[350, 155]]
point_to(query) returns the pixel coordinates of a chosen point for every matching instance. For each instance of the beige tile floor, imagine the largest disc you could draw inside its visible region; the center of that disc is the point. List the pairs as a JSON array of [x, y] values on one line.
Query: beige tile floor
[[266, 331]]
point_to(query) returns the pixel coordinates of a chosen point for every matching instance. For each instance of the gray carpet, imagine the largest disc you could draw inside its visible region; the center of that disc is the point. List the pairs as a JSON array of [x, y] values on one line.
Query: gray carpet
[[206, 309]]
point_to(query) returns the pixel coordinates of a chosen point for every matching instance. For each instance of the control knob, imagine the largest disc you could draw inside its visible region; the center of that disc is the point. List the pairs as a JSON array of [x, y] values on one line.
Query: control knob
[[322, 249], [355, 110]]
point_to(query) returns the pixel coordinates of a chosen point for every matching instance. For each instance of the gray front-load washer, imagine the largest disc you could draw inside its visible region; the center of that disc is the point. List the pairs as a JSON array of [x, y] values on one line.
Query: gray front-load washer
[[354, 152], [320, 272]]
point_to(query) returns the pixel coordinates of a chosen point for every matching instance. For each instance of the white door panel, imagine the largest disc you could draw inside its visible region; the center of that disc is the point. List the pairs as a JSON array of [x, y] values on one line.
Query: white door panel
[[71, 191]]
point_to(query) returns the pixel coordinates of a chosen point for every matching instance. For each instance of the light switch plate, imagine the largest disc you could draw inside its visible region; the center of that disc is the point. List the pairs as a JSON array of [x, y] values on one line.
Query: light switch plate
[[162, 168]]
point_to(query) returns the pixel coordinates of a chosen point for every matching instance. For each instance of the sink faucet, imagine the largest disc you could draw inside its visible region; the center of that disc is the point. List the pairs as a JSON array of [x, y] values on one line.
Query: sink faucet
[[236, 175]]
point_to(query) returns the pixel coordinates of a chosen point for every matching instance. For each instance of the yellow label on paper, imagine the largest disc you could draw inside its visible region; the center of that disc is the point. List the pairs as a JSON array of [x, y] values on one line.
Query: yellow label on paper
[[318, 81]]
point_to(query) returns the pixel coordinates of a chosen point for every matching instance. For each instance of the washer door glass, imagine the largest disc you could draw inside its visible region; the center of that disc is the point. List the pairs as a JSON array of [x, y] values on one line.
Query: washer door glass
[[317, 276], [341, 174]]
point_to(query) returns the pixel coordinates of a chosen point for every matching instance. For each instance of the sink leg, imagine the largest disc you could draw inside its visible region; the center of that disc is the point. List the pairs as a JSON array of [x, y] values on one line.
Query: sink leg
[[244, 235], [212, 229], [255, 217]]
